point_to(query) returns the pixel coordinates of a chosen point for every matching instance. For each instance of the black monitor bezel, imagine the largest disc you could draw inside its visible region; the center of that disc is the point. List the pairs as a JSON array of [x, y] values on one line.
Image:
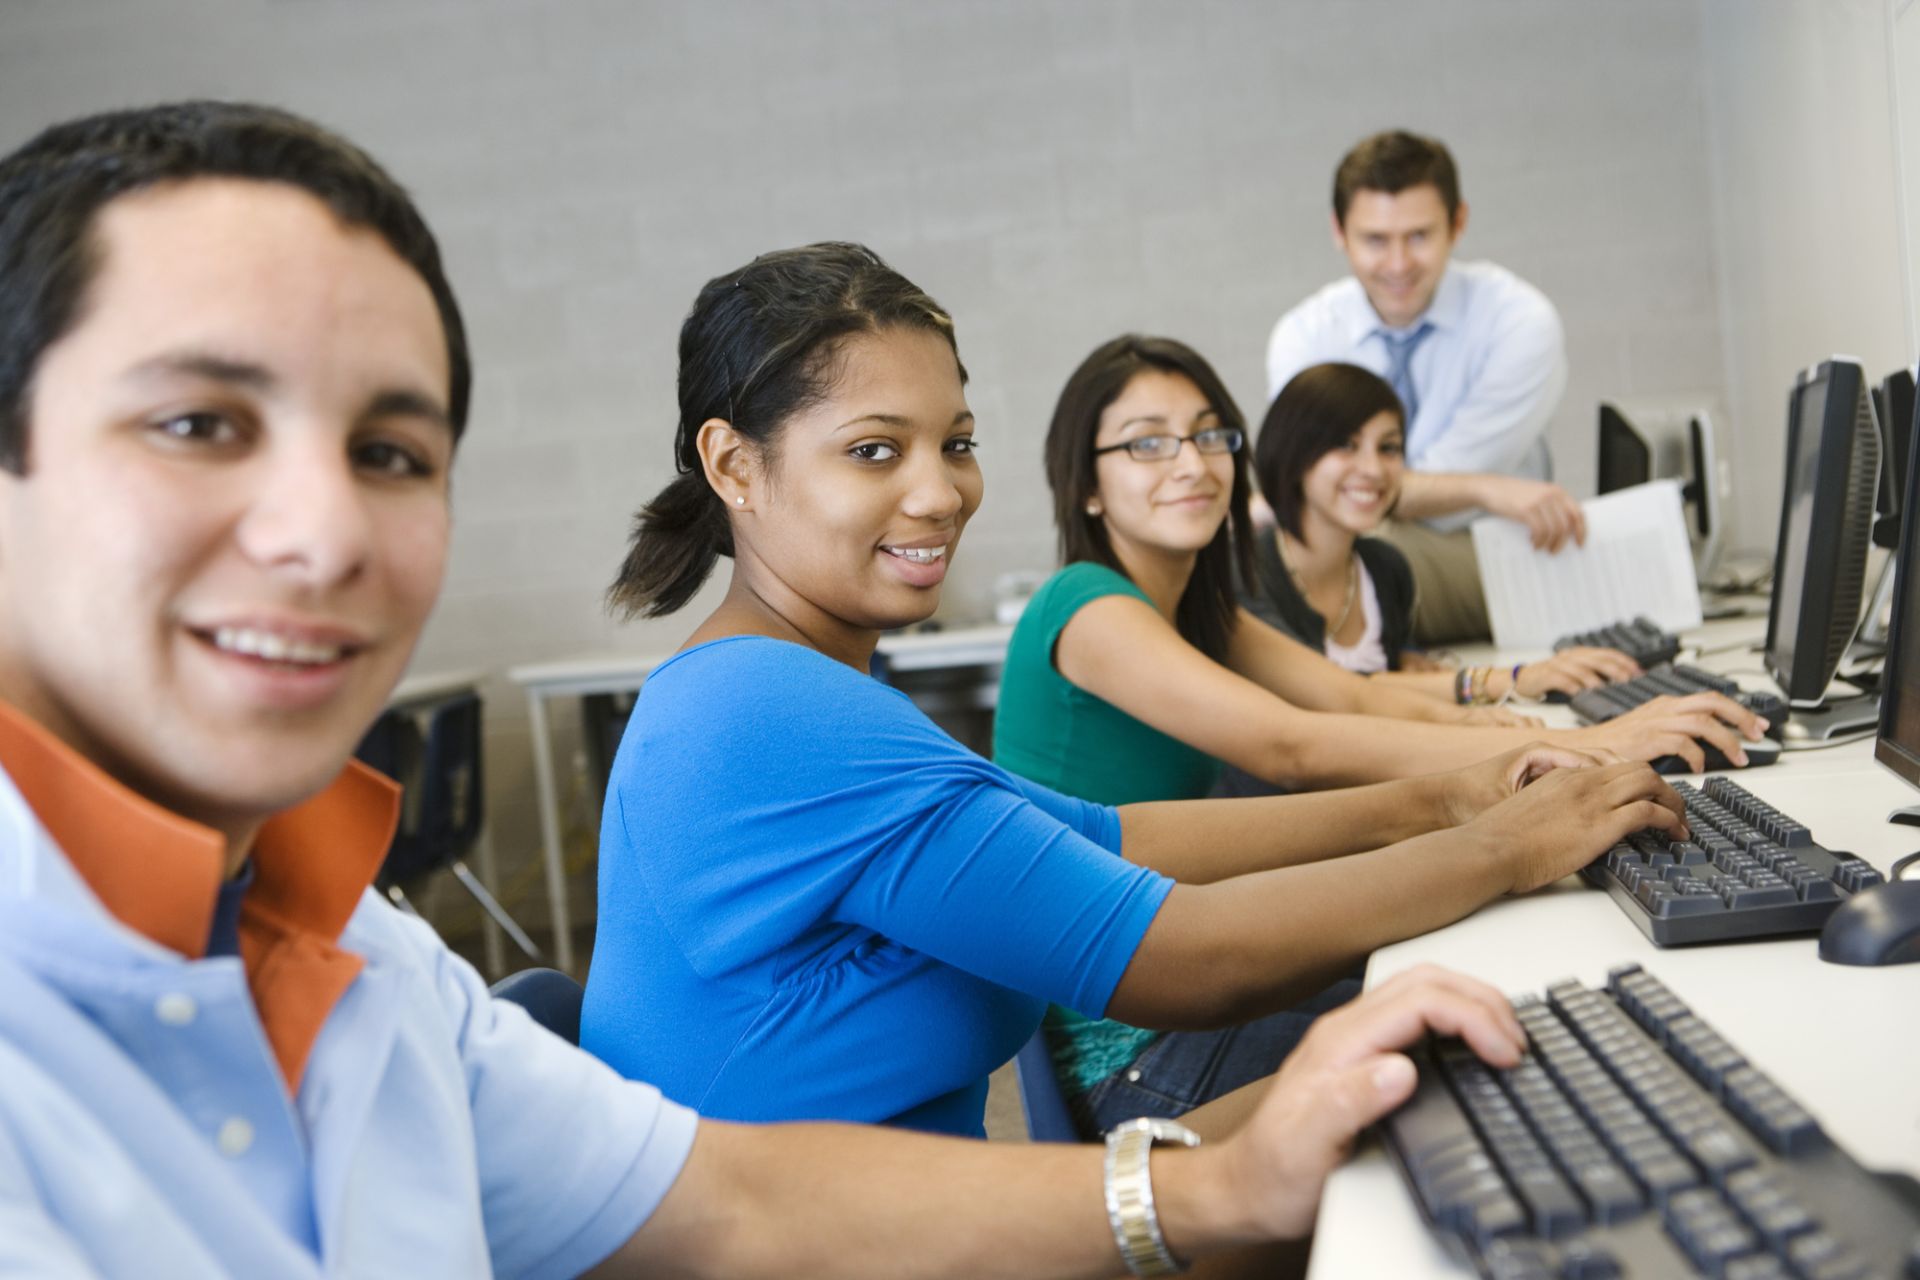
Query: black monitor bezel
[[1803, 680], [1895, 446], [1899, 760], [1612, 421]]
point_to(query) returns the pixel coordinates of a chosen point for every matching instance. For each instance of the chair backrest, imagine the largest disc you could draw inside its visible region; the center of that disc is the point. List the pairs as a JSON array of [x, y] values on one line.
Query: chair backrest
[[550, 996], [392, 746], [452, 784], [1048, 1119], [443, 786]]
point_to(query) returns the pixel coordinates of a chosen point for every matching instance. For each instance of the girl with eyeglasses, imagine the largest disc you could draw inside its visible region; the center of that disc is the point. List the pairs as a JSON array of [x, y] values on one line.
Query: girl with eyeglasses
[[814, 904], [1329, 460], [1134, 676]]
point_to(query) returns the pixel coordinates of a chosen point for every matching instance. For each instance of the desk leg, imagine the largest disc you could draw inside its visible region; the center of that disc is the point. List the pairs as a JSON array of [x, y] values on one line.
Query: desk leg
[[489, 929], [551, 850]]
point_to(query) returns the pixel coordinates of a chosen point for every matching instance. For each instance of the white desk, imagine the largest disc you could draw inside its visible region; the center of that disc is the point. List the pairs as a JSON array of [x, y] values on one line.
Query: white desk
[[1844, 1041], [625, 672]]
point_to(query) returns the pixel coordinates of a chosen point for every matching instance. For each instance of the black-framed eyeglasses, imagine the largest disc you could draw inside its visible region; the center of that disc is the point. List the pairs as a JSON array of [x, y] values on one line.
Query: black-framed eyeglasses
[[1166, 448]]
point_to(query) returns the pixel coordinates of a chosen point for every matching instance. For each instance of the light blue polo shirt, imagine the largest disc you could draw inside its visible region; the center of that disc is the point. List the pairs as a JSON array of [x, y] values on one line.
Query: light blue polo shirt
[[147, 1131]]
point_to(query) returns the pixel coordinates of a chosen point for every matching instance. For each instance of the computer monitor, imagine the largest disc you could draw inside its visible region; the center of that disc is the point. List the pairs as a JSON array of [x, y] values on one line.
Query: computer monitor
[[1893, 411], [1652, 440], [1819, 565], [1898, 744]]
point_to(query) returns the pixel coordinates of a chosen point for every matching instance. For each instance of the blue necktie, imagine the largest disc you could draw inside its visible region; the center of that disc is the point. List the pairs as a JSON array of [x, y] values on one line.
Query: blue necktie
[[1400, 349]]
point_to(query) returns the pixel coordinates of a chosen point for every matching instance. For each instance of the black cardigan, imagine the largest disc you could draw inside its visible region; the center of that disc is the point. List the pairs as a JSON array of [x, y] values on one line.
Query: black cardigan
[[1276, 601]]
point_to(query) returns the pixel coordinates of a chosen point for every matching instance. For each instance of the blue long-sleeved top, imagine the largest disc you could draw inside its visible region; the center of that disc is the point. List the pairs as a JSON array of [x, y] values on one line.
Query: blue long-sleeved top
[[815, 904]]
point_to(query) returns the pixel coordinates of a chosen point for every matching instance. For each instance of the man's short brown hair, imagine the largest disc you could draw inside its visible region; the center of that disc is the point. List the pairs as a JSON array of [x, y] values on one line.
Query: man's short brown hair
[[1392, 162]]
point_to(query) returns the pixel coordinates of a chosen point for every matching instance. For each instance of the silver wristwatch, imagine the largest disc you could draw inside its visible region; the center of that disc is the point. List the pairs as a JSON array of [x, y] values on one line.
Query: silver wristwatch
[[1130, 1209]]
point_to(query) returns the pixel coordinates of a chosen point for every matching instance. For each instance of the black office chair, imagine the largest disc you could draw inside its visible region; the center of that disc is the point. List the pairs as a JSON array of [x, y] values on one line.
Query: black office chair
[[443, 805], [550, 996]]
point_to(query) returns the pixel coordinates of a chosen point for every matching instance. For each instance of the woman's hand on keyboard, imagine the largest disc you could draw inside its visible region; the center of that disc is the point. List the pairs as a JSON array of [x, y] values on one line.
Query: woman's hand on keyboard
[[1669, 726], [1475, 789], [1567, 818], [1345, 1075], [1571, 670]]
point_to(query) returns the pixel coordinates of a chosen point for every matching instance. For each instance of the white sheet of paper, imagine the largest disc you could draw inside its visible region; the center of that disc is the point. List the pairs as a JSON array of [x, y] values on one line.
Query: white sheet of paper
[[1636, 562]]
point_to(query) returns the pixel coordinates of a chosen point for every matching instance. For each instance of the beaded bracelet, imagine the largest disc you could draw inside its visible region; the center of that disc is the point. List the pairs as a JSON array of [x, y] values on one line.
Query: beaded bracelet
[[1513, 685]]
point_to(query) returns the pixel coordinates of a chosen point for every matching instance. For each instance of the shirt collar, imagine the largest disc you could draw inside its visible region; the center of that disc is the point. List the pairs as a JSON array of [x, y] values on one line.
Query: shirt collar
[[1446, 311], [159, 873], [1449, 306]]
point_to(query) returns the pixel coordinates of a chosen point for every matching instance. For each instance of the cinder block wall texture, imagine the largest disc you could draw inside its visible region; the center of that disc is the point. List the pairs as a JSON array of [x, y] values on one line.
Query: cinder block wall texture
[[1054, 171]]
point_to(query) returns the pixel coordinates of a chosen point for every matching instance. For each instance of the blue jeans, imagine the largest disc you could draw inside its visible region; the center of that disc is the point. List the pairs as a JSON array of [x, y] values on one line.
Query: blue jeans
[[1182, 1069]]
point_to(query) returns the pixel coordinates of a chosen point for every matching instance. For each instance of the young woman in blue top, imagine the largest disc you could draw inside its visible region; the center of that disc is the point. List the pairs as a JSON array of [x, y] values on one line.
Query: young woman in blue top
[[1329, 460], [814, 904]]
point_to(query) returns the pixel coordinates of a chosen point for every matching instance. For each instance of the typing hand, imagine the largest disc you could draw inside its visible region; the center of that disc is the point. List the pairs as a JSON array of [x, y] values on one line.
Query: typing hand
[[1668, 726], [1341, 1078], [1479, 787], [1571, 670], [1550, 513], [1554, 826]]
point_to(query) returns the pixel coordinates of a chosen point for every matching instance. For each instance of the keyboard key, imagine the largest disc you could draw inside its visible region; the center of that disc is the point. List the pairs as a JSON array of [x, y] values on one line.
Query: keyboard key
[[1759, 1266], [1749, 897], [1819, 1256]]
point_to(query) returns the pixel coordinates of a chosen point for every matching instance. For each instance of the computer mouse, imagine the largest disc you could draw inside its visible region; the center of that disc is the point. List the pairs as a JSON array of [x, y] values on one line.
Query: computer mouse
[[1876, 926]]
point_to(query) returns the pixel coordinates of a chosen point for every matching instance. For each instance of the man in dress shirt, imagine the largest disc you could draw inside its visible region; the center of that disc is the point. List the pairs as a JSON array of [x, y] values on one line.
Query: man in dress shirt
[[232, 377], [1475, 352]]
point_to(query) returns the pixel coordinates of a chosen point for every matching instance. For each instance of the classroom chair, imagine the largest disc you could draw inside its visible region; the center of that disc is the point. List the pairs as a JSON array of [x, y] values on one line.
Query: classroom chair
[[1048, 1119], [550, 996], [444, 801]]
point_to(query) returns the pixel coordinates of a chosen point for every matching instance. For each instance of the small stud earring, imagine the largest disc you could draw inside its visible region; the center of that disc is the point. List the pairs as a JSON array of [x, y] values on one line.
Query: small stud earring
[[739, 502], [1093, 508]]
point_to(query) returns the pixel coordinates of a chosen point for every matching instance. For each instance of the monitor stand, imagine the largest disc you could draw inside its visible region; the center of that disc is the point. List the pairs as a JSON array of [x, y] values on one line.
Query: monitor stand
[[1833, 718], [1876, 625]]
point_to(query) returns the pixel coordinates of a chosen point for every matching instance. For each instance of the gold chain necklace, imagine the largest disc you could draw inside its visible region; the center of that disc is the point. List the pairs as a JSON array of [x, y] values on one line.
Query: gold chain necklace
[[1353, 584]]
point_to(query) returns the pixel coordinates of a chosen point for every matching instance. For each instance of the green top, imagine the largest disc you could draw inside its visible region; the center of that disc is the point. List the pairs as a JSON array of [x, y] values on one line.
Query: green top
[[1050, 730]]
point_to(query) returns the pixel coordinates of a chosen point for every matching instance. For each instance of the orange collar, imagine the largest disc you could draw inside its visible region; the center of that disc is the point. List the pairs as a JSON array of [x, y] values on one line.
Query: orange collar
[[158, 873]]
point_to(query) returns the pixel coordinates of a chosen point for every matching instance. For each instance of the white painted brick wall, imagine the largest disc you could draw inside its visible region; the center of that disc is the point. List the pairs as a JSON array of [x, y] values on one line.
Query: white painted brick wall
[[1055, 171]]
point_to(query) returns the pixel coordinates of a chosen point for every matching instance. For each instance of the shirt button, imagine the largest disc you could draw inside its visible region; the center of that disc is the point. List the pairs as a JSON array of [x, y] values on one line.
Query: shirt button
[[1133, 1075], [235, 1136], [174, 1009]]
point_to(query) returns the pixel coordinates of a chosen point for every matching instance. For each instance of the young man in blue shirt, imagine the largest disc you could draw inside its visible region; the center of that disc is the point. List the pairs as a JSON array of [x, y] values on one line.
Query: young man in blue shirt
[[232, 377], [1476, 354]]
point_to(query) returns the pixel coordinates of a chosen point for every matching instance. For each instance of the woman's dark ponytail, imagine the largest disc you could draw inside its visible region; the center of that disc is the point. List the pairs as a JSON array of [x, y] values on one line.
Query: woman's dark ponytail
[[676, 539], [755, 350]]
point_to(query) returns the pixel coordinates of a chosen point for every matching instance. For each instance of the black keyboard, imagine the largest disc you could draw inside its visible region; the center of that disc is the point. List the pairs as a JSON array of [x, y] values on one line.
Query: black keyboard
[[1749, 871], [1610, 700], [1634, 1141], [1640, 640]]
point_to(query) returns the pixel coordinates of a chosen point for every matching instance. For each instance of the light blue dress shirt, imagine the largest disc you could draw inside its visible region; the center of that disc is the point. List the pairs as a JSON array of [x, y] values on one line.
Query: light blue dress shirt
[[1489, 375], [146, 1130]]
